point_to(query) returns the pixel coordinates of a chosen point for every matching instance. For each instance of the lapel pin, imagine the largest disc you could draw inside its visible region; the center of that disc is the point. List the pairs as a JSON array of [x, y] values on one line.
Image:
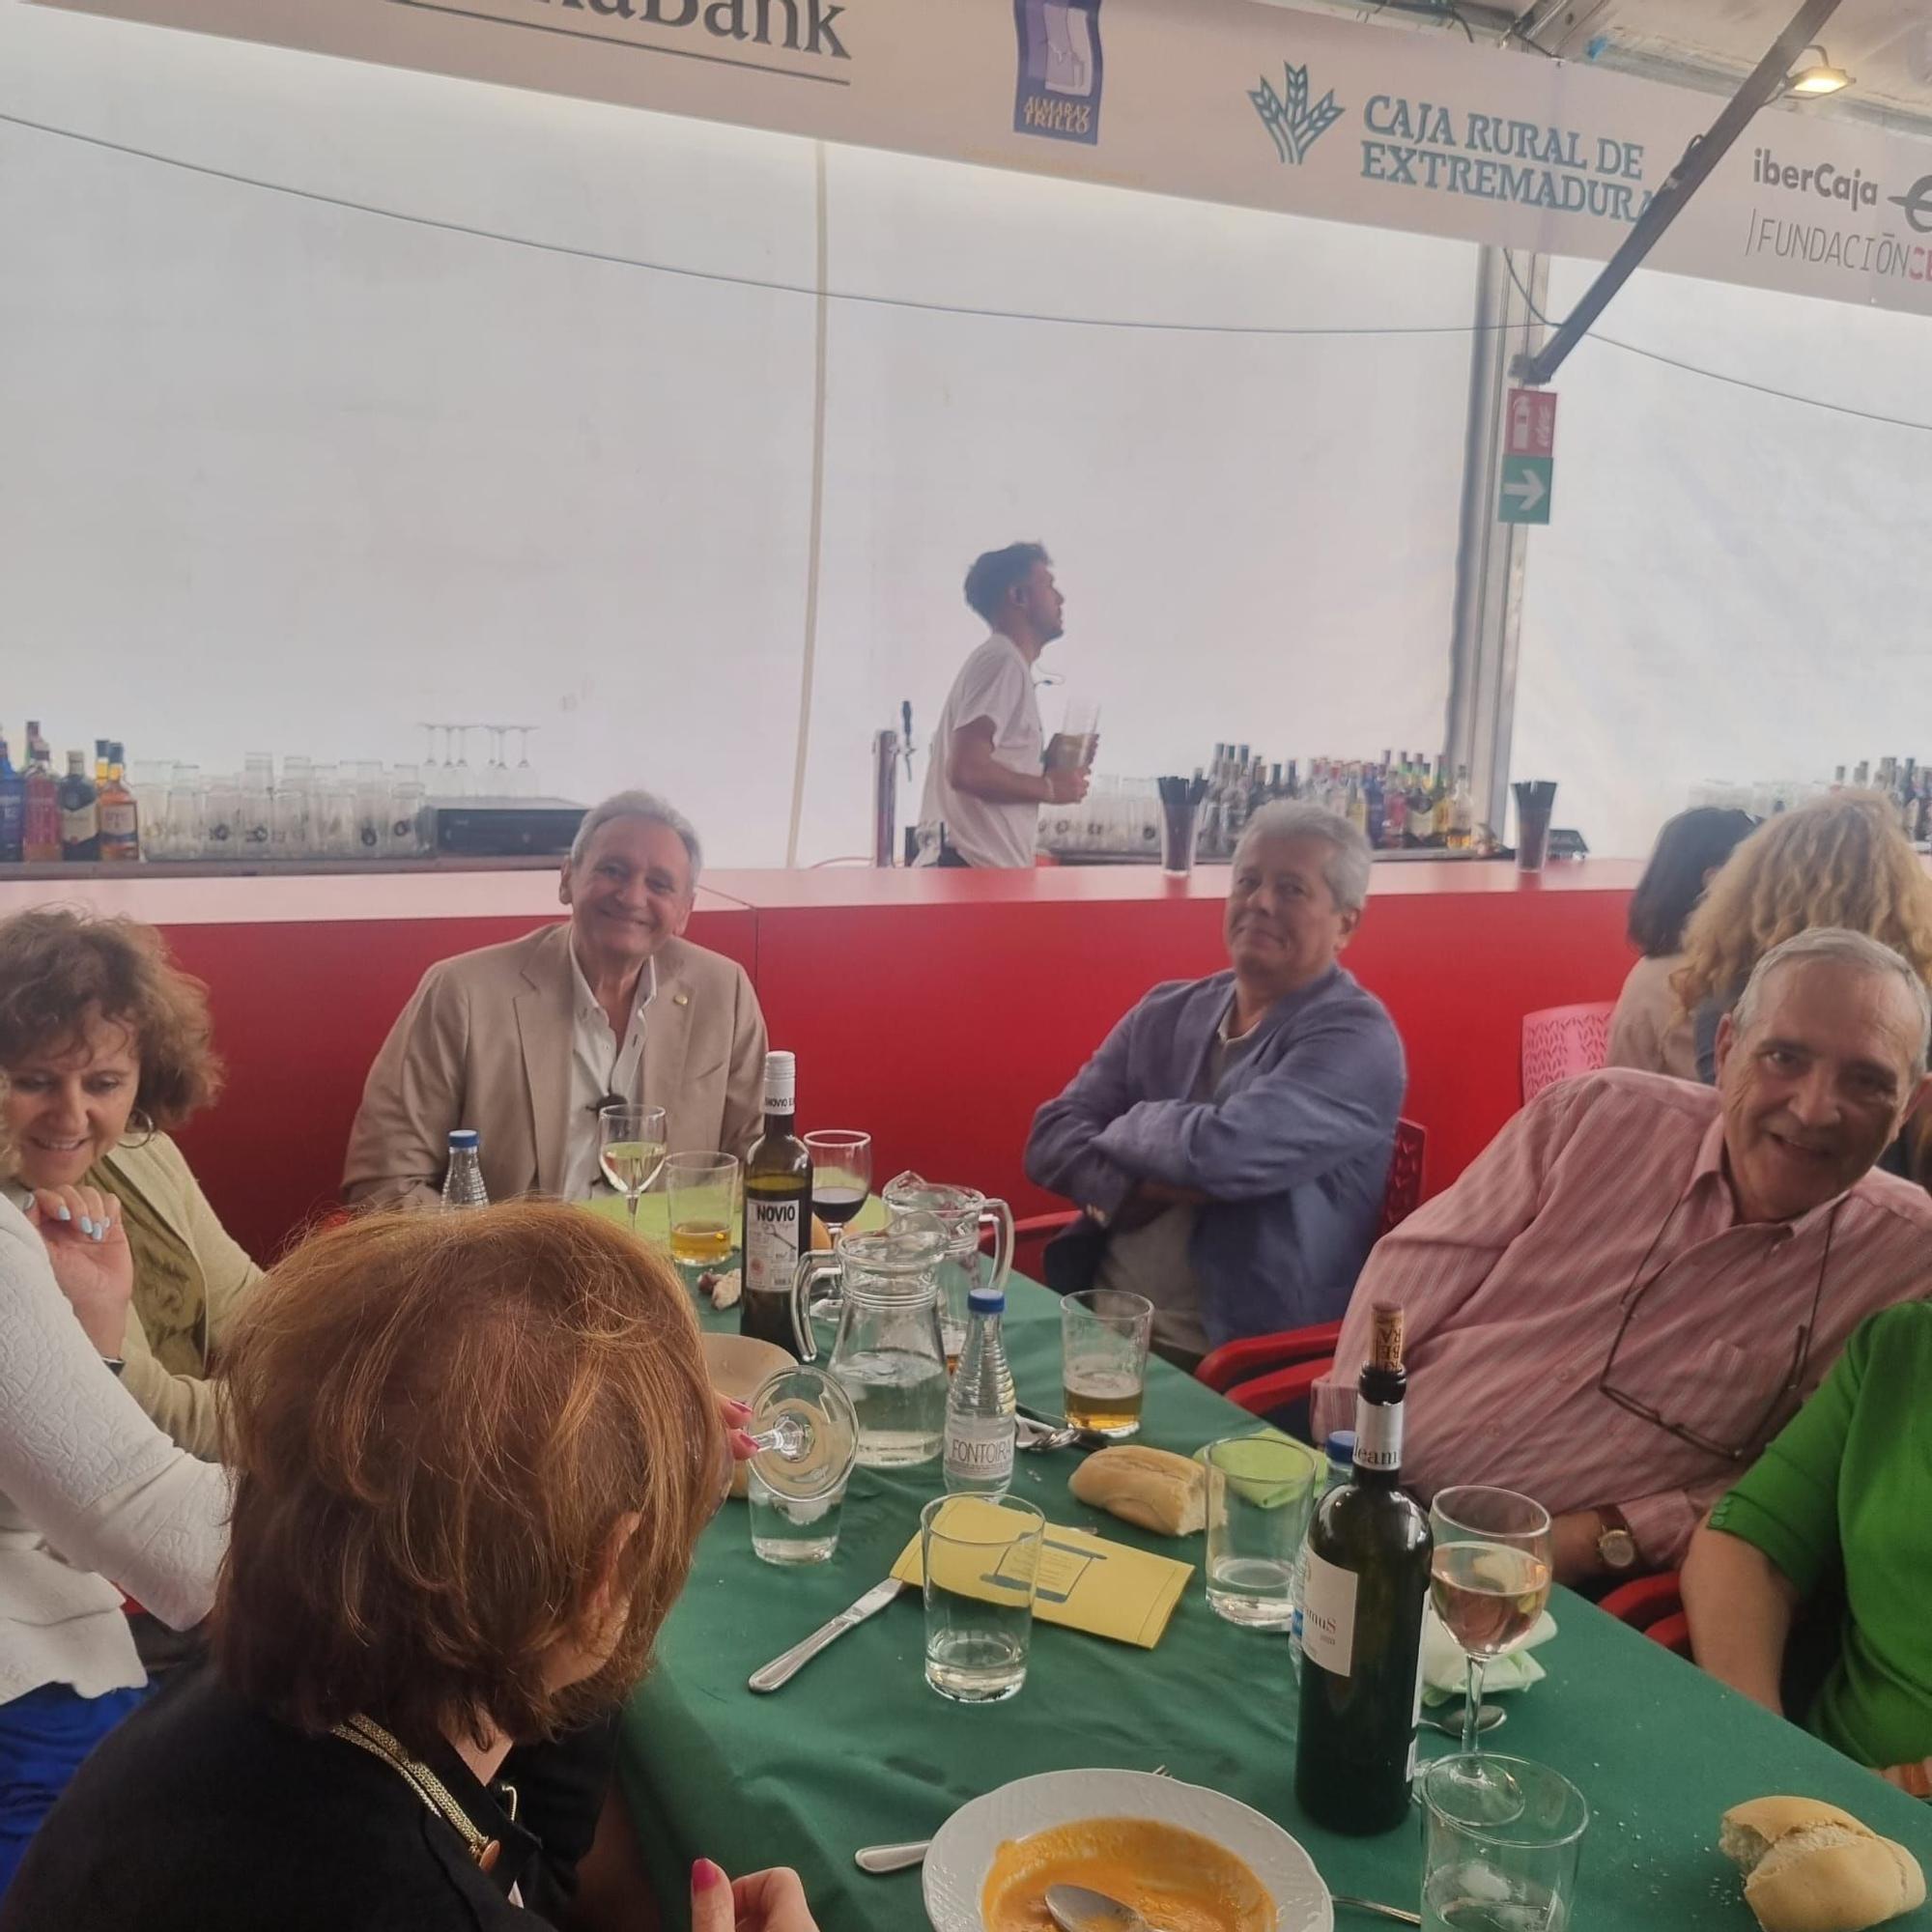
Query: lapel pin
[[680, 999]]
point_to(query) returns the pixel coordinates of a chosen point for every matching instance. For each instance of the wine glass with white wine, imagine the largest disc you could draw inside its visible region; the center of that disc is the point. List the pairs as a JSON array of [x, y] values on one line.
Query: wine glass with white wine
[[631, 1150], [1489, 1578]]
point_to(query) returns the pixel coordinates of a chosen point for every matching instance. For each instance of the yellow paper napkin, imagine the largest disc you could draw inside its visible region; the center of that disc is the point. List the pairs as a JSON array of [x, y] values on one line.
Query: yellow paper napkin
[[1088, 1583]]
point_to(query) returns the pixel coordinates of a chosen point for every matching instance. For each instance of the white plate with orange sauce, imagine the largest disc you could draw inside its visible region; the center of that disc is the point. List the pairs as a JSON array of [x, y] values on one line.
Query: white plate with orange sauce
[[1024, 1827]]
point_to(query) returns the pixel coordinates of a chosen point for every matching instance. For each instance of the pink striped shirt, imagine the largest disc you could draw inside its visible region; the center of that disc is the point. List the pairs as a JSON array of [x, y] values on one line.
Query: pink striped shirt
[[1514, 1284]]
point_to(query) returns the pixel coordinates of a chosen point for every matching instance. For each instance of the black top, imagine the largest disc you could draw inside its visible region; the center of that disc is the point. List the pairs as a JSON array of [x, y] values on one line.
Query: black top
[[202, 1814]]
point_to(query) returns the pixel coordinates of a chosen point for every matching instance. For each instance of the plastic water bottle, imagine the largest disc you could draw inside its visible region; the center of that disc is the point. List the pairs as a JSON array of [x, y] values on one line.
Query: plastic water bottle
[[463, 1185], [981, 1404], [1341, 1466]]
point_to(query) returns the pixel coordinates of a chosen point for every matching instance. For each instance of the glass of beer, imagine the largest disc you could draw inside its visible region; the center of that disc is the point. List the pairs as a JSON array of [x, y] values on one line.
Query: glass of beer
[[701, 1190], [1103, 1352]]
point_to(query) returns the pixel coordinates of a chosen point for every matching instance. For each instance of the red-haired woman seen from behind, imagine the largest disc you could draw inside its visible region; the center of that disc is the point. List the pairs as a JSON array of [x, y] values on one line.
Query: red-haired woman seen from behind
[[473, 1454]]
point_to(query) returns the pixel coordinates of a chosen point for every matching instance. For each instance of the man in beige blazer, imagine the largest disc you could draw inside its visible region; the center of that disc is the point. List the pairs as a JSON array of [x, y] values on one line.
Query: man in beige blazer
[[525, 1041]]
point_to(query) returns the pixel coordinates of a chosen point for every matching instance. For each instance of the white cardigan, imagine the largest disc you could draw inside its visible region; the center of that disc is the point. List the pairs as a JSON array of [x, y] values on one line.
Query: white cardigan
[[89, 1490]]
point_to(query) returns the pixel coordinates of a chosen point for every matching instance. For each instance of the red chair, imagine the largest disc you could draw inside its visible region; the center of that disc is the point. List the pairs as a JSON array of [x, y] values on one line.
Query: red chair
[[1264, 1373], [1655, 1606], [1560, 1042]]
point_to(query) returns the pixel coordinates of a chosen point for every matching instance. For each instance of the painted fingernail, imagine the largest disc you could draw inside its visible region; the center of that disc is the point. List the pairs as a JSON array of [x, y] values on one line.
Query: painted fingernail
[[100, 1230], [742, 1411], [86, 1226], [704, 1875], [741, 1445], [62, 1212]]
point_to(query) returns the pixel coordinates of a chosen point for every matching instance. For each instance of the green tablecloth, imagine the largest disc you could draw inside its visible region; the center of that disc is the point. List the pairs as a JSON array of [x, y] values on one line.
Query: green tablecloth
[[857, 1751]]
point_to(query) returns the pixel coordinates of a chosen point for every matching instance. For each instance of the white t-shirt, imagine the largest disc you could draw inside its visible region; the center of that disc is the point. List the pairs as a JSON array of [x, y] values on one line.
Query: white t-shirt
[[995, 683]]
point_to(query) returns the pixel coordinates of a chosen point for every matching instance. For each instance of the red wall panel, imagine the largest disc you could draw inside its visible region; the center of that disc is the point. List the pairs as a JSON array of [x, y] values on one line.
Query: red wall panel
[[934, 1009]]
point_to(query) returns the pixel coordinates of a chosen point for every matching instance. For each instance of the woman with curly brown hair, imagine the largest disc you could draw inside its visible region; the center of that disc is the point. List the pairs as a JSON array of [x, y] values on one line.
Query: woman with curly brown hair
[[473, 1456], [1840, 860], [105, 1045]]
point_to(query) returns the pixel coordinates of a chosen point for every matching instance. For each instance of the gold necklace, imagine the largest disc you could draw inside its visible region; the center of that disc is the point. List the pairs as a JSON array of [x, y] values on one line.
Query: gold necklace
[[369, 1735]]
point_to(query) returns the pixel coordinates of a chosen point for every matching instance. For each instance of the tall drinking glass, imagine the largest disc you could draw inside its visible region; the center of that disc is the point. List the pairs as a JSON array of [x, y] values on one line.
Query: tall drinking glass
[[702, 1192], [1259, 1492], [1488, 1578], [1103, 1349], [980, 1557], [631, 1150], [1502, 1842]]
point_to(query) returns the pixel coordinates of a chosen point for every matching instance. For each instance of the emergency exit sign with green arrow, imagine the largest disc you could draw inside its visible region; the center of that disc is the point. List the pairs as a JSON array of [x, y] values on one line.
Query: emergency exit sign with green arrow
[[1529, 456]]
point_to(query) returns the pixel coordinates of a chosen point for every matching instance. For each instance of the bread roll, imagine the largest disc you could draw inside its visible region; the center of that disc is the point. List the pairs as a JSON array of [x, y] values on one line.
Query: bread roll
[[1160, 1492], [1811, 1868]]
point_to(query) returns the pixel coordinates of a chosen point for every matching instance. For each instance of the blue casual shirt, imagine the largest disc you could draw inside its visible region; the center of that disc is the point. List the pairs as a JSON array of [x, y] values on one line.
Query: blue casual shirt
[[1291, 1151]]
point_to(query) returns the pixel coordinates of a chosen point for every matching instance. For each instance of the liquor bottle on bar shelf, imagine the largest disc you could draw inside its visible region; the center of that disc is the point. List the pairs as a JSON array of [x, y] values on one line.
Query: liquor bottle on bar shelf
[[778, 1211], [120, 817], [1462, 813], [79, 812], [13, 803], [1367, 1582], [40, 833]]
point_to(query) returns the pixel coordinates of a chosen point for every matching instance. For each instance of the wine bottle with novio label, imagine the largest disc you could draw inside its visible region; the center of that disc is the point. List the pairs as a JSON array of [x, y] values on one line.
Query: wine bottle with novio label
[[778, 1211], [1361, 1619]]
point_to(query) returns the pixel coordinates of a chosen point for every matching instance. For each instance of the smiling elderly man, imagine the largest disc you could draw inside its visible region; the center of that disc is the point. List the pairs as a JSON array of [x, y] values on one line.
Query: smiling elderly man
[[1230, 1141], [1638, 1281], [526, 1042]]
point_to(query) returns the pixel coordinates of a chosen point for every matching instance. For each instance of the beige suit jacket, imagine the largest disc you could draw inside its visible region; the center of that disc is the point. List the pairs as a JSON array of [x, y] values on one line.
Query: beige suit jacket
[[485, 1043]]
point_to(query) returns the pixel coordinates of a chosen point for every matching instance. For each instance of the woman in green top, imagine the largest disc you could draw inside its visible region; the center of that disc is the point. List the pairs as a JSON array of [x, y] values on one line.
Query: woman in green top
[[1844, 1493], [105, 1044]]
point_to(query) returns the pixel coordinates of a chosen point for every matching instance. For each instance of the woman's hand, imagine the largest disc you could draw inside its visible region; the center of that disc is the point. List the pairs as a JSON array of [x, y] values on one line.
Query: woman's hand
[[735, 1414], [91, 1262], [768, 1901], [1913, 1779]]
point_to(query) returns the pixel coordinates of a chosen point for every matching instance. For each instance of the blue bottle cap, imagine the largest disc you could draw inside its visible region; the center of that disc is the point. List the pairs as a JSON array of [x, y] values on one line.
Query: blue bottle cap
[[464, 1137], [1342, 1446], [986, 1301]]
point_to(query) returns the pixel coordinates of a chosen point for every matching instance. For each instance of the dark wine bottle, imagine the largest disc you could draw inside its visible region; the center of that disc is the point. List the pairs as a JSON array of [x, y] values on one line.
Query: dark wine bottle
[[777, 1212], [1361, 1622]]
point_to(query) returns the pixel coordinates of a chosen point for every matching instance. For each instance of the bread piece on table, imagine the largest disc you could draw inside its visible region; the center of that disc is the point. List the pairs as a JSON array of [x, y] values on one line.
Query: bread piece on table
[[1160, 1492], [1811, 1868]]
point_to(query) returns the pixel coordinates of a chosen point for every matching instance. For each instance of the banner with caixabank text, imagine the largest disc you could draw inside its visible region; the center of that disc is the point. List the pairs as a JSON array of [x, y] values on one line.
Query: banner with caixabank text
[[1227, 101]]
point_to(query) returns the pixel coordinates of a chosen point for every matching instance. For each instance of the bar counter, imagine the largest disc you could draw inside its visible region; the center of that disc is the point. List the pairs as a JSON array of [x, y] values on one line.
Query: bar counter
[[934, 1009]]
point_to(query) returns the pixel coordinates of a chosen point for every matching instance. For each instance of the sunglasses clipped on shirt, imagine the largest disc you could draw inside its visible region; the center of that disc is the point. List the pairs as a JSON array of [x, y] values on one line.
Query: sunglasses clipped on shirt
[[1760, 1430]]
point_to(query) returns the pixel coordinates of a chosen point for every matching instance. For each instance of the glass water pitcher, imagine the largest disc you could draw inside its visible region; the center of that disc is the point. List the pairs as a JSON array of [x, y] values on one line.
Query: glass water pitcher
[[966, 1216], [888, 1353]]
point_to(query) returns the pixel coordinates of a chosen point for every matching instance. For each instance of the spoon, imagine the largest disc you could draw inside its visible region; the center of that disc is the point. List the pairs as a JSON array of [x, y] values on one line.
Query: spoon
[[1055, 1431], [1075, 1909], [1037, 1435], [1489, 1718]]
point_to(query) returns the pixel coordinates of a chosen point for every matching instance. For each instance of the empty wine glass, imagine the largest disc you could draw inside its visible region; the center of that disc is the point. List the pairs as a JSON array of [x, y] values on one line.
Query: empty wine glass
[[1489, 1578], [806, 1432], [631, 1150], [498, 772], [525, 777]]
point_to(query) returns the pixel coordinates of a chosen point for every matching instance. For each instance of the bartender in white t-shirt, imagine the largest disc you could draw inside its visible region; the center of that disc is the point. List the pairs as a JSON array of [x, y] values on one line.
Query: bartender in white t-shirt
[[984, 782]]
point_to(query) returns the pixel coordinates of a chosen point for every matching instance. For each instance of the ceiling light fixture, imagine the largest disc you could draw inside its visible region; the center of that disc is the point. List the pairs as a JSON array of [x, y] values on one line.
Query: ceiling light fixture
[[1821, 77]]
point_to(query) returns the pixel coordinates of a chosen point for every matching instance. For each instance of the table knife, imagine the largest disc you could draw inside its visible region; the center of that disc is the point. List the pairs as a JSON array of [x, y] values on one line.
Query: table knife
[[782, 1669]]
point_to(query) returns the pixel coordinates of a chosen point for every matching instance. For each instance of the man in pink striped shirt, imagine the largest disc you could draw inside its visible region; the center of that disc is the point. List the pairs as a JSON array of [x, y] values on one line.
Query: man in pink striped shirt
[[1636, 1282]]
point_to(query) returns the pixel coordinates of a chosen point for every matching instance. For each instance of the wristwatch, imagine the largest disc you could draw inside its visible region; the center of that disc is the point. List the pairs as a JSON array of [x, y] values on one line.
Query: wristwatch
[[1616, 1542]]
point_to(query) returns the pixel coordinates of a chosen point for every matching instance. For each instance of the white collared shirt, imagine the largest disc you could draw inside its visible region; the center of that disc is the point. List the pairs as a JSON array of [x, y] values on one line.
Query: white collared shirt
[[601, 1064]]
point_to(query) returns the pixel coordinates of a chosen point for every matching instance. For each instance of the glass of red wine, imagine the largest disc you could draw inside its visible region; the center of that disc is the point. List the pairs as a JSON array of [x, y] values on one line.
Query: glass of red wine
[[841, 1182], [1489, 1578]]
